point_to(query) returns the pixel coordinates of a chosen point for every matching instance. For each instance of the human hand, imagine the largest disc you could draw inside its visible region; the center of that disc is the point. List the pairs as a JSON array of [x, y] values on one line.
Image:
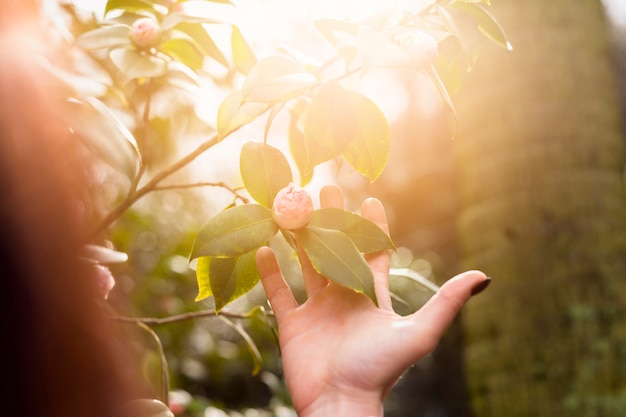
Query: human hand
[[341, 354]]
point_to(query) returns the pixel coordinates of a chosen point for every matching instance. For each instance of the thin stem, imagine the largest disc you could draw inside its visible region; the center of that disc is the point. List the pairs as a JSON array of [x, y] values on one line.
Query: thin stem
[[233, 191], [165, 379], [156, 321]]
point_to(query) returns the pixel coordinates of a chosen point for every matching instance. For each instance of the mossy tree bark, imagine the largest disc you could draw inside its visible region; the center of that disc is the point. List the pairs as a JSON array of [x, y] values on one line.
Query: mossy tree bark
[[540, 153]]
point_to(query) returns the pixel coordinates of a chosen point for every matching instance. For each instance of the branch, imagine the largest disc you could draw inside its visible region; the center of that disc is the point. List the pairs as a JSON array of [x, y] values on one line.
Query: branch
[[132, 197], [156, 321], [233, 191]]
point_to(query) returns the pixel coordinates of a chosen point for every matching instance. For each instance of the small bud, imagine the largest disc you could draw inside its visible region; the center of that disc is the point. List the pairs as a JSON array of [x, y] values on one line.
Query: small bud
[[145, 33], [422, 47], [293, 208]]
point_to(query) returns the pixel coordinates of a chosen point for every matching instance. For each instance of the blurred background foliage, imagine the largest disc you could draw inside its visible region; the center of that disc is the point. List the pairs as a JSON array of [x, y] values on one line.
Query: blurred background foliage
[[530, 190]]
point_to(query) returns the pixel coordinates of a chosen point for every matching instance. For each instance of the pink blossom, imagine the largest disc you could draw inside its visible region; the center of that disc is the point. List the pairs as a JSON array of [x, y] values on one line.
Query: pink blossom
[[145, 33], [422, 47], [104, 281], [293, 207]]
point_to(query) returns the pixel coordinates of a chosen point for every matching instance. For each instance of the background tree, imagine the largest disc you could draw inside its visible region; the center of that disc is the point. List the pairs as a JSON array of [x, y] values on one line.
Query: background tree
[[540, 154]]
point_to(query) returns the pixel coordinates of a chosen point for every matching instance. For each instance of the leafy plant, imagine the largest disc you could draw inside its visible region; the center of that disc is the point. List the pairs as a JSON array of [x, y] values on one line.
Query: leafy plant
[[133, 79]]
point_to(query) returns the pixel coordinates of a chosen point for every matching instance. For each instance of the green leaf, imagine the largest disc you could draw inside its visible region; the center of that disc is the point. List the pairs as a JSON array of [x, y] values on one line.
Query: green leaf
[[297, 144], [235, 231], [203, 278], [329, 125], [264, 170], [335, 256], [366, 235], [441, 88], [134, 64], [181, 76], [487, 24], [185, 50], [226, 279], [465, 29], [105, 37], [369, 150], [233, 114], [129, 6], [243, 55], [174, 19], [204, 40], [276, 78], [103, 132]]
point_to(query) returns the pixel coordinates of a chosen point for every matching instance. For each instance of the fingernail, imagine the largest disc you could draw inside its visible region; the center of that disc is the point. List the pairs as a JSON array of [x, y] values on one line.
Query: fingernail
[[480, 287]]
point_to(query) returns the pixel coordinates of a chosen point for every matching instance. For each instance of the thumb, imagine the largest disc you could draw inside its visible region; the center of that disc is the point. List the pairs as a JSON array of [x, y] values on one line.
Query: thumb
[[437, 314]]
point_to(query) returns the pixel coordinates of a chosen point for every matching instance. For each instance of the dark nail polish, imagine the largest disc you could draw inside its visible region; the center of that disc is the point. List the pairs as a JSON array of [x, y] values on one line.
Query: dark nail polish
[[480, 287]]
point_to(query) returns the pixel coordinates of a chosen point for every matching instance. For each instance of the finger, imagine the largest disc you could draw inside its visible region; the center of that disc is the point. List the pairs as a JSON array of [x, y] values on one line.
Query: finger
[[278, 292], [437, 314], [330, 196], [380, 262]]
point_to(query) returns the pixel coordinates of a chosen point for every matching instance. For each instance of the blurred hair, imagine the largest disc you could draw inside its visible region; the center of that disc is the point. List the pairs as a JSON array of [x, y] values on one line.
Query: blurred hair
[[56, 350]]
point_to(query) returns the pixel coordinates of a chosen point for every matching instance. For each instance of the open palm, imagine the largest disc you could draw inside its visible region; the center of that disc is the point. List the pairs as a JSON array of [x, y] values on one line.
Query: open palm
[[341, 353]]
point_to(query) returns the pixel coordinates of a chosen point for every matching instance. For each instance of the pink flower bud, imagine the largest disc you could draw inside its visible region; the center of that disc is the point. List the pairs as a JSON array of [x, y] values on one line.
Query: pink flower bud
[[293, 207], [145, 33], [422, 47], [104, 281]]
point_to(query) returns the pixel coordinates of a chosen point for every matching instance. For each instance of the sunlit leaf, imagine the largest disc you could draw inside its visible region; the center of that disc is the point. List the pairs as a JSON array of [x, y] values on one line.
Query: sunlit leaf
[[104, 37], [487, 24], [264, 170], [441, 88], [297, 144], [184, 50], [329, 125], [103, 132], [276, 78], [174, 19], [129, 6], [276, 108], [369, 150], [235, 231], [227, 278], [181, 76], [233, 114], [465, 29], [204, 40], [366, 235], [335, 256], [134, 64], [243, 55], [203, 277]]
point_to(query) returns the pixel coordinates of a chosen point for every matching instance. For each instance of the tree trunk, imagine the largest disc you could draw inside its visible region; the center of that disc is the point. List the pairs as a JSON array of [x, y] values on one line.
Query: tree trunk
[[541, 157]]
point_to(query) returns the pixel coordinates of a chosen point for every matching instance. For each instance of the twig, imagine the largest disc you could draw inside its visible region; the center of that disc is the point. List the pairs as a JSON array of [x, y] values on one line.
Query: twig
[[158, 321], [233, 191]]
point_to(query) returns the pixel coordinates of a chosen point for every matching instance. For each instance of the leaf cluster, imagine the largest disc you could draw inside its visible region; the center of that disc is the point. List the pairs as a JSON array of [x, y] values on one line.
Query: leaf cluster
[[327, 120], [334, 240]]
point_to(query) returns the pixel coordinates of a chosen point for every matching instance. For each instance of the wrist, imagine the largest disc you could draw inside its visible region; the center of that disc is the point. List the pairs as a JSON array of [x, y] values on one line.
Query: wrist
[[343, 404]]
